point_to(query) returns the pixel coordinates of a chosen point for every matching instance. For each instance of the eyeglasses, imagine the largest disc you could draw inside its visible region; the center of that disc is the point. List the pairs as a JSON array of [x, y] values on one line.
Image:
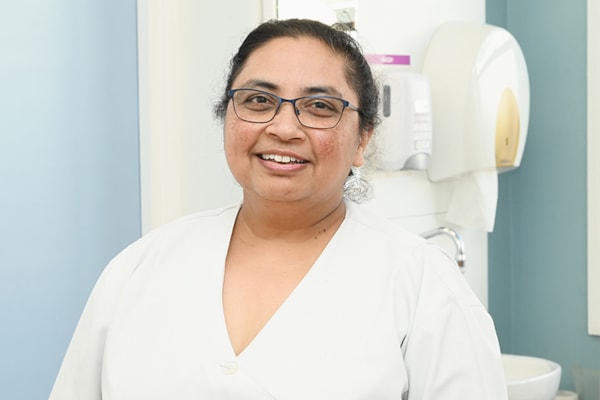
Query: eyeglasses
[[318, 112]]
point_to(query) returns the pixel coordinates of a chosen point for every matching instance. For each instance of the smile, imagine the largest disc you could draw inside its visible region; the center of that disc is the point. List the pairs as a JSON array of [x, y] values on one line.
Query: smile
[[281, 159]]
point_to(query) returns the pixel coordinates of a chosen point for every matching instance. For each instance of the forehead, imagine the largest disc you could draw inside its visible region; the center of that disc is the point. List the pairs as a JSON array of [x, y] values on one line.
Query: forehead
[[294, 65]]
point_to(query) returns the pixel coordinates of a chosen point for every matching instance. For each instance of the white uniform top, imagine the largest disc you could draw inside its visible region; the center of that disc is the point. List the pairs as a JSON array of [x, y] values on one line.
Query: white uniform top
[[382, 314]]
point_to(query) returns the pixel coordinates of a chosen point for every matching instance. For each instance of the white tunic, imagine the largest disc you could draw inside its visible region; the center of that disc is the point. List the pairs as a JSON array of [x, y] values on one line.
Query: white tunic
[[382, 314]]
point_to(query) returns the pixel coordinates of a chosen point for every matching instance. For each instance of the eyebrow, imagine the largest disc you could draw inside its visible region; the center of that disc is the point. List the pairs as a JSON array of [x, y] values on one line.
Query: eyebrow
[[260, 84], [307, 91], [328, 90]]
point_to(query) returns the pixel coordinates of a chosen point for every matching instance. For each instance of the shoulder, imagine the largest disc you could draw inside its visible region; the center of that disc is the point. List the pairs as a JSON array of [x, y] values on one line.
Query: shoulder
[[406, 257], [204, 222], [190, 231], [198, 220], [375, 230]]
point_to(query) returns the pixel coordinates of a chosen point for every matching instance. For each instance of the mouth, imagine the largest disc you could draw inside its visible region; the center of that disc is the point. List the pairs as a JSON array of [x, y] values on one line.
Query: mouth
[[281, 159]]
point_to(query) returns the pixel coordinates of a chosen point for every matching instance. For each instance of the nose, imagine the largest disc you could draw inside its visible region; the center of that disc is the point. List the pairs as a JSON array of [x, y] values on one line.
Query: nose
[[292, 104], [285, 124]]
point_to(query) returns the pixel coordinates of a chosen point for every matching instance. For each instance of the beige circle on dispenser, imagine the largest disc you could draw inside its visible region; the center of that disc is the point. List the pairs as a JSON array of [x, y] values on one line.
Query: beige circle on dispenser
[[507, 129]]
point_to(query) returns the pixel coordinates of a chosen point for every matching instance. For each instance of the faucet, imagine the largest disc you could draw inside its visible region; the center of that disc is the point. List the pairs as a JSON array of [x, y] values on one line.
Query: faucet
[[458, 242]]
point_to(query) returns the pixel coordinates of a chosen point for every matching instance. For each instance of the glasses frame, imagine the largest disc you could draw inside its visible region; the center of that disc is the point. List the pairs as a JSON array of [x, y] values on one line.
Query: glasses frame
[[281, 100]]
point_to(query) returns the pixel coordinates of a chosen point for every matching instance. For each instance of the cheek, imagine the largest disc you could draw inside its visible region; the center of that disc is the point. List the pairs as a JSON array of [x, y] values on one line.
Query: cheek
[[329, 145], [234, 136], [338, 145]]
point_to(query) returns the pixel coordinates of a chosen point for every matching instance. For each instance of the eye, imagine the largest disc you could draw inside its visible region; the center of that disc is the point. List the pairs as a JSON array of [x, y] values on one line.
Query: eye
[[258, 98], [322, 106], [257, 101]]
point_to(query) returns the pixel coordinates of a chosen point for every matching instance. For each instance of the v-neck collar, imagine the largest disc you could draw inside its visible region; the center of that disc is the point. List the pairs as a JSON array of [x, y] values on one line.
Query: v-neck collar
[[302, 289]]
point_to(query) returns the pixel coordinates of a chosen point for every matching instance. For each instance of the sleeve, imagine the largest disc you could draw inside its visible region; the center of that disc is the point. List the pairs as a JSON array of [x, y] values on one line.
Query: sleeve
[[452, 350], [80, 374]]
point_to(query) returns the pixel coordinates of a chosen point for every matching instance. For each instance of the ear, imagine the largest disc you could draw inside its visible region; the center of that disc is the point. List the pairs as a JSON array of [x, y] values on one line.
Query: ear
[[359, 156]]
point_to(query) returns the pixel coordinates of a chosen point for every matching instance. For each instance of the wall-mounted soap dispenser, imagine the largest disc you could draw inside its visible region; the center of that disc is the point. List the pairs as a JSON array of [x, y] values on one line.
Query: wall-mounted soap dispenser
[[404, 136], [480, 92]]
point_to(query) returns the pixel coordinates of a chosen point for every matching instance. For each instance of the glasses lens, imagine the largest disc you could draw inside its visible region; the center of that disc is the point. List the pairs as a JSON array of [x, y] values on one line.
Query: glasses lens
[[254, 105], [320, 111]]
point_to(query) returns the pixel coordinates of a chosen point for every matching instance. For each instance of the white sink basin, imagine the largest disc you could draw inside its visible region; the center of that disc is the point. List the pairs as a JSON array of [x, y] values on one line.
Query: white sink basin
[[531, 378]]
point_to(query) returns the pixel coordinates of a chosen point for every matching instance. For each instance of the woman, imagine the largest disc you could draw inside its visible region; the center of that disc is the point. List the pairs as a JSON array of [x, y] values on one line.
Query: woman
[[297, 293]]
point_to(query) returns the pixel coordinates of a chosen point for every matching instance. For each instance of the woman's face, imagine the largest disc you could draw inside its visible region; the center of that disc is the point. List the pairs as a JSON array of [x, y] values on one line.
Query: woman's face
[[283, 160]]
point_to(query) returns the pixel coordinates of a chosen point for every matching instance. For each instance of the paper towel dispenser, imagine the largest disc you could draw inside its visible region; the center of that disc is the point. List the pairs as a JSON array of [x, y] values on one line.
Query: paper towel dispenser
[[480, 98]]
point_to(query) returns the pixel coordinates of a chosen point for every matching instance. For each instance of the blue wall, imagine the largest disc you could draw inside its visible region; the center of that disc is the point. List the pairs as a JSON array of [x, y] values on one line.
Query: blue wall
[[69, 172], [537, 252]]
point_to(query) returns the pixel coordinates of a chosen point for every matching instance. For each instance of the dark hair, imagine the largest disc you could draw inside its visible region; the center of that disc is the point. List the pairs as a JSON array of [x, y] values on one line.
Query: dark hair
[[358, 71]]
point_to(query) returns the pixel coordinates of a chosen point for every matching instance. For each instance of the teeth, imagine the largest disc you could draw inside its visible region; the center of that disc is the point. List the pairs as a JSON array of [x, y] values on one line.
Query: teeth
[[280, 159]]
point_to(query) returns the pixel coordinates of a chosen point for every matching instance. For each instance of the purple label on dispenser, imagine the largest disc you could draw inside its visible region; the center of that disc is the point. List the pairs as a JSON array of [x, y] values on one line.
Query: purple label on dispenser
[[387, 59]]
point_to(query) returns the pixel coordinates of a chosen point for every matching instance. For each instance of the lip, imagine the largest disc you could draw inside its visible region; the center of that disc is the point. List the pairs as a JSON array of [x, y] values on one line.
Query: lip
[[275, 166]]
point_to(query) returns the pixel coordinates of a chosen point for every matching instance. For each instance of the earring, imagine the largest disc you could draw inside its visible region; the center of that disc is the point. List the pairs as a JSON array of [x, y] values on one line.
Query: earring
[[357, 188]]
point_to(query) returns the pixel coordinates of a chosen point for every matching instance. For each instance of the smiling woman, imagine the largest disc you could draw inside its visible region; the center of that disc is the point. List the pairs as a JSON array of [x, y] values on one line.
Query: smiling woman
[[296, 292]]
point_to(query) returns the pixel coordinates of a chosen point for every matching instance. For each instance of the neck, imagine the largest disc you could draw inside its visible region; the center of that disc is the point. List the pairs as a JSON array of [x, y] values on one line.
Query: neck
[[273, 220]]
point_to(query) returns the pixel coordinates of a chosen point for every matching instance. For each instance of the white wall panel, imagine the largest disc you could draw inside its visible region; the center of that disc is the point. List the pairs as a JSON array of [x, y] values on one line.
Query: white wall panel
[[184, 47]]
